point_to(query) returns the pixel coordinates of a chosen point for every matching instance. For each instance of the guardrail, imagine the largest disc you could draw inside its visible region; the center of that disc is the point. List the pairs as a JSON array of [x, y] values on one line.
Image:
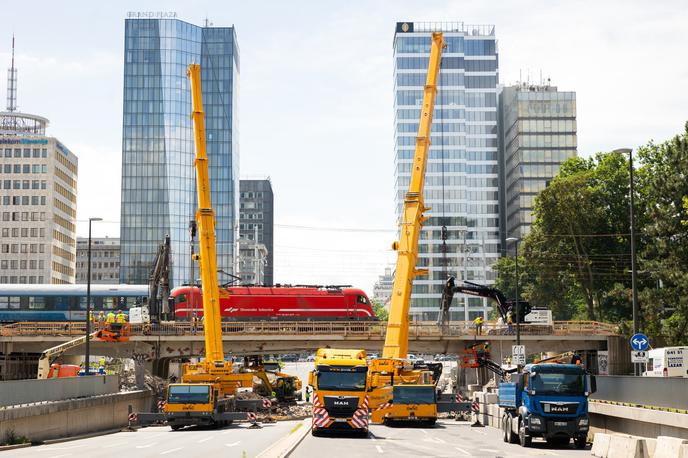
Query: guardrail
[[651, 392], [16, 392], [368, 329]]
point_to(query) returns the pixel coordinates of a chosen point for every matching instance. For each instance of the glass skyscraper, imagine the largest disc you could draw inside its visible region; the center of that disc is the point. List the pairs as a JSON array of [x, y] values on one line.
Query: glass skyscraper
[[461, 238], [539, 129], [158, 176]]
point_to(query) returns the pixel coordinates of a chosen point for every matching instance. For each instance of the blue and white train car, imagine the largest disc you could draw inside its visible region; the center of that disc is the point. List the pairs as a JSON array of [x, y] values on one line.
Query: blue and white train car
[[30, 302]]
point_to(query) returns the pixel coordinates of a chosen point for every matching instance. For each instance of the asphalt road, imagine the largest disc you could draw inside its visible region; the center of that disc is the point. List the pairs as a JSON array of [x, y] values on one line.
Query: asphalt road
[[233, 441], [447, 439]]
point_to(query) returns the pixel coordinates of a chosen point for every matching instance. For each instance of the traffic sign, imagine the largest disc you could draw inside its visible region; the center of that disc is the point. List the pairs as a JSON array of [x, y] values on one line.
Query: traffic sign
[[518, 355], [640, 342], [639, 356]]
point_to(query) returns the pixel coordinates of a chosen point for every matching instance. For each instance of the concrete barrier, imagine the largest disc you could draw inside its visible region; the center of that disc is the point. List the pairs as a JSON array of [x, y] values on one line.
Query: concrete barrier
[[669, 447], [600, 444], [625, 447], [60, 419], [18, 392]]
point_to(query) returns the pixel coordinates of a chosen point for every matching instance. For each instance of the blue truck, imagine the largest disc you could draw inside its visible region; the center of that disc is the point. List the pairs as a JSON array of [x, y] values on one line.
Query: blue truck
[[548, 401]]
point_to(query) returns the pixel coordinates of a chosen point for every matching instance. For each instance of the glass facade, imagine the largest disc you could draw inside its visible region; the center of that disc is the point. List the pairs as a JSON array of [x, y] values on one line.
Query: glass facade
[[158, 176], [539, 134], [462, 173]]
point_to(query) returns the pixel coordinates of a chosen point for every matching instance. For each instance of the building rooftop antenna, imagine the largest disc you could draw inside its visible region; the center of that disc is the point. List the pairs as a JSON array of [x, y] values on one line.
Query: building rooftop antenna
[[12, 84]]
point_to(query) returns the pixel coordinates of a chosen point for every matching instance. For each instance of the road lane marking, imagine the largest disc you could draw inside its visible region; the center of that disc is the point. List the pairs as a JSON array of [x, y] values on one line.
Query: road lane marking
[[52, 449], [114, 445], [200, 441], [233, 444], [462, 451], [147, 445], [489, 450], [379, 449], [171, 450], [60, 456]]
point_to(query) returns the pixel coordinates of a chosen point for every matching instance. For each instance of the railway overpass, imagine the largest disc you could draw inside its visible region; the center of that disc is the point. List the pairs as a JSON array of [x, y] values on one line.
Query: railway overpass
[[165, 342]]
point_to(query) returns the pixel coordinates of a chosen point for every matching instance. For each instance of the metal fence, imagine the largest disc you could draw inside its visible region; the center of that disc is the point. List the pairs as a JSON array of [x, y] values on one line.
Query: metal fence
[[17, 392], [368, 329], [643, 391]]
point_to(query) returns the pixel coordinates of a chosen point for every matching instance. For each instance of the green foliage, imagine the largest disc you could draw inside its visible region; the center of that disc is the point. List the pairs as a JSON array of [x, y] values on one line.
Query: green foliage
[[576, 259], [380, 311], [665, 259], [11, 438]]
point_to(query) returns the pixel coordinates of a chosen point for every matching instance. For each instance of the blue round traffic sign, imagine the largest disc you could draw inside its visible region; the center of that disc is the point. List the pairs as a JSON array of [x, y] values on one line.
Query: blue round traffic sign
[[640, 342]]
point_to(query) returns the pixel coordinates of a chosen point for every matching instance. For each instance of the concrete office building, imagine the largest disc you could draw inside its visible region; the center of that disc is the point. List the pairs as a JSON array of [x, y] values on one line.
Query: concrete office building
[[461, 182], [38, 178], [256, 223], [104, 260], [382, 291], [158, 176], [538, 125]]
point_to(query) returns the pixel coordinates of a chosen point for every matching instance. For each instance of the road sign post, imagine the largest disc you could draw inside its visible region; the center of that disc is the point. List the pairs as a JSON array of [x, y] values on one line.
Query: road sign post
[[639, 346], [518, 355]]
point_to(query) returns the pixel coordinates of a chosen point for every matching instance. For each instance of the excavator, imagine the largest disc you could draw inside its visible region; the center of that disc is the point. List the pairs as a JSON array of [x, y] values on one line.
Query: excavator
[[504, 307], [287, 388], [399, 392], [206, 394]]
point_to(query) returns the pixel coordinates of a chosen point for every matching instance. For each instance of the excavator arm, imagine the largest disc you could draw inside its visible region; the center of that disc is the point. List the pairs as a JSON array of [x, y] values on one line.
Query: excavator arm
[[52, 353], [474, 289], [159, 281]]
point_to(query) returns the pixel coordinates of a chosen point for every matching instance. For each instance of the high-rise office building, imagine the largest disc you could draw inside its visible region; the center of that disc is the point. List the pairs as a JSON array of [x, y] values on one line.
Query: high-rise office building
[[462, 175], [38, 177], [158, 176], [256, 223], [538, 125], [104, 260]]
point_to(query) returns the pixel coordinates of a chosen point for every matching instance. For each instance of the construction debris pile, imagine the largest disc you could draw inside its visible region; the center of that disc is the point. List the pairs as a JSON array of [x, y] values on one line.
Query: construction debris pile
[[282, 412], [157, 385]]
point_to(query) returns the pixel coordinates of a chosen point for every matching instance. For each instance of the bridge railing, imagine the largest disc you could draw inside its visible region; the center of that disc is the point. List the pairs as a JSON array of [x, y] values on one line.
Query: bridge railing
[[370, 329]]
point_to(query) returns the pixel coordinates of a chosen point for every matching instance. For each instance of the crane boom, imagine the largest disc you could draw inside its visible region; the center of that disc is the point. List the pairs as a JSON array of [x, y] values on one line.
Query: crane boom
[[396, 339], [205, 218]]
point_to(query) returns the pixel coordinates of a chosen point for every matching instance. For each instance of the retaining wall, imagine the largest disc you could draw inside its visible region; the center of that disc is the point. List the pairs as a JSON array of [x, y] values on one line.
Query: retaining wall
[[60, 419], [17, 392]]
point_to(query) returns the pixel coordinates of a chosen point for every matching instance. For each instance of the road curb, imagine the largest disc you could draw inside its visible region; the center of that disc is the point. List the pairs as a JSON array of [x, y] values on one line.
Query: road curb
[[82, 436], [285, 446], [13, 446]]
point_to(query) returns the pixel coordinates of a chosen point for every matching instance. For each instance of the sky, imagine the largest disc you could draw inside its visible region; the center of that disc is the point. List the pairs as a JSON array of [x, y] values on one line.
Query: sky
[[316, 99]]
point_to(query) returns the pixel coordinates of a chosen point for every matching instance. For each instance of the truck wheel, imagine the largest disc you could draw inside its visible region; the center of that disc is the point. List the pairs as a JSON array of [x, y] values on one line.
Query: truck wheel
[[580, 442], [512, 438], [523, 439], [176, 427]]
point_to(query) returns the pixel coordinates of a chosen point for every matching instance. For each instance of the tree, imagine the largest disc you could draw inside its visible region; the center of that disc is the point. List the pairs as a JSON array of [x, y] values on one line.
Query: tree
[[665, 256], [380, 311], [580, 234]]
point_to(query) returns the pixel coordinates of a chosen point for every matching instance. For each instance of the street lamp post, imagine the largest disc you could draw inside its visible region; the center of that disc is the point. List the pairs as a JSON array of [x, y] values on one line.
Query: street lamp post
[[518, 302], [636, 309], [87, 365]]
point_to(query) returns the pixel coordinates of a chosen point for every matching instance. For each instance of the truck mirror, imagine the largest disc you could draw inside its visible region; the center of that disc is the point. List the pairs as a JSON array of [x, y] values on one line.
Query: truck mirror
[[519, 380], [592, 384]]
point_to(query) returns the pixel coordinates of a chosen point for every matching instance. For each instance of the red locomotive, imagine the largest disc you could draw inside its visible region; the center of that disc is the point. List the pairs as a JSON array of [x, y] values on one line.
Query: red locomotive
[[284, 303]]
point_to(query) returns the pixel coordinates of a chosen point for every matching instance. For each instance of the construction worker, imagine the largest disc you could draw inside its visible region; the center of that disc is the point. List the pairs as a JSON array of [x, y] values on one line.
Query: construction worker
[[194, 323], [121, 317], [509, 322], [110, 317], [478, 325], [308, 394], [102, 361], [91, 318], [101, 317]]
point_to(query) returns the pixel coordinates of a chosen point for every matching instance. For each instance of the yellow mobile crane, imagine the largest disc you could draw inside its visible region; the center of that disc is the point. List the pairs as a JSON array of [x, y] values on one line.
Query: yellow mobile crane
[[398, 391], [205, 394]]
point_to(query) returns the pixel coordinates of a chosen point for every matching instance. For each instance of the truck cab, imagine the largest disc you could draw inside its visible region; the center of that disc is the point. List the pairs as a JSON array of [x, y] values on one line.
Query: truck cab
[[196, 404], [340, 398], [412, 403], [548, 401]]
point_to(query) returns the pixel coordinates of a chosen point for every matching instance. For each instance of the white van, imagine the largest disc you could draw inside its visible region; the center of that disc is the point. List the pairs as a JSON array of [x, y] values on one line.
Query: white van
[[667, 362]]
